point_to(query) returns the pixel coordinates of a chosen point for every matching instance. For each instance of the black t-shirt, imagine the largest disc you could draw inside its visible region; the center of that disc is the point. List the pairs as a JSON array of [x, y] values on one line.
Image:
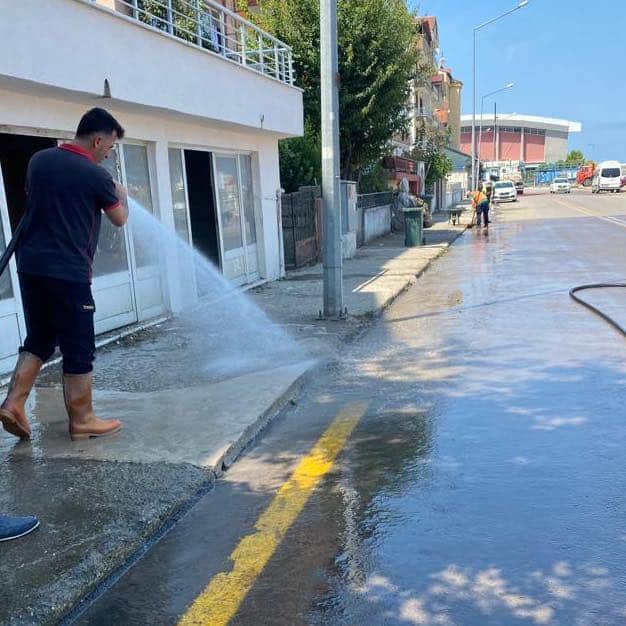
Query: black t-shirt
[[67, 192]]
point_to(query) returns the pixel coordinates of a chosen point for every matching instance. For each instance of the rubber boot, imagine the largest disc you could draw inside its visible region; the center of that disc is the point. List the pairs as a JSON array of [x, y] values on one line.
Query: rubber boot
[[83, 422], [12, 413]]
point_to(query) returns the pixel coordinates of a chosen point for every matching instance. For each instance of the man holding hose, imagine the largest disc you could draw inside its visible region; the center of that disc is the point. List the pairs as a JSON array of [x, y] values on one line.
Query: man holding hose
[[67, 193]]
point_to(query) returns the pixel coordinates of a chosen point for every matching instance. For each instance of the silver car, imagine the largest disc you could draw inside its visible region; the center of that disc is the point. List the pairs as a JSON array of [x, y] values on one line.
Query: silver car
[[504, 191], [560, 185]]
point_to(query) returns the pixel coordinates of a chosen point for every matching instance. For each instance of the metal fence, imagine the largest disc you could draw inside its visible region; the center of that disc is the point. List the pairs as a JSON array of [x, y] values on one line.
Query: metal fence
[[301, 227], [371, 200], [212, 27]]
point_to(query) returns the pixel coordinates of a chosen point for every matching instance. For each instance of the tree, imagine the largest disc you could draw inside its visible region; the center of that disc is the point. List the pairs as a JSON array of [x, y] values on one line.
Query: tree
[[429, 145], [440, 167], [575, 157], [300, 160], [377, 59]]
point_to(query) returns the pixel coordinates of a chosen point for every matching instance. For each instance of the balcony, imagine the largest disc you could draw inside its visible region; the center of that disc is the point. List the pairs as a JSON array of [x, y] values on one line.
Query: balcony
[[400, 166], [209, 64], [210, 26]]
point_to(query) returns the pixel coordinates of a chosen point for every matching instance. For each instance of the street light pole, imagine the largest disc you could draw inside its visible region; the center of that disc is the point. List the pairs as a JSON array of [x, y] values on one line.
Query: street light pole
[[495, 130], [474, 114], [520, 5], [480, 126], [331, 189]]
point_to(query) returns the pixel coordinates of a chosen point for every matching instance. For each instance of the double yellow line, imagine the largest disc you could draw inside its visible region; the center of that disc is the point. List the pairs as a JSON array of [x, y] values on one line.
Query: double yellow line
[[221, 599]]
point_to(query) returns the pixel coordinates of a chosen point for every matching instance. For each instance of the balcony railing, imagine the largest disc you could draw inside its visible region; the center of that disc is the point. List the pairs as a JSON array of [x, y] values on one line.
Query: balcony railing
[[400, 165], [208, 25]]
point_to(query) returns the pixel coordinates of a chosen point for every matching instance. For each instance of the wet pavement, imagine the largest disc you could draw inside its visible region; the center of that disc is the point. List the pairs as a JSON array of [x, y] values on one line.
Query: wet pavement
[[485, 483], [192, 393]]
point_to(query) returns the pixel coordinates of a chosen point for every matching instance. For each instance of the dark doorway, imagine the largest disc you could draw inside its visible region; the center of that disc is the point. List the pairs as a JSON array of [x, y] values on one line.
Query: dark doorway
[[202, 212], [15, 153]]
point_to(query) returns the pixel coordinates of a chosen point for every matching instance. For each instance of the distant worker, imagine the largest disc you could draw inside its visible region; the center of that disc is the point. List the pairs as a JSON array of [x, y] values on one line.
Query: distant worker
[[488, 189], [480, 204], [67, 192]]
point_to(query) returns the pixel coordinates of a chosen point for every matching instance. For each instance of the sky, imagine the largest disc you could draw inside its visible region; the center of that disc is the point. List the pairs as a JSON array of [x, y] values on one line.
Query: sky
[[567, 59]]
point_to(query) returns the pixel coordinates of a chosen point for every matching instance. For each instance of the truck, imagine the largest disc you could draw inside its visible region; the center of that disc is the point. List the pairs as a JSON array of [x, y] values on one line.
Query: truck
[[584, 176]]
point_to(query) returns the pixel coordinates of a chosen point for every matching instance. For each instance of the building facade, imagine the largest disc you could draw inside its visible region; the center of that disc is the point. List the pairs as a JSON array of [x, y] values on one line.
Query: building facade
[[203, 111], [525, 138], [434, 104]]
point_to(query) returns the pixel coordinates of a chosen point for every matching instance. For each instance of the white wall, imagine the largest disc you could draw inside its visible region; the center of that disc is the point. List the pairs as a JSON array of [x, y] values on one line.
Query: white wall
[[75, 45], [39, 113], [376, 222], [456, 187]]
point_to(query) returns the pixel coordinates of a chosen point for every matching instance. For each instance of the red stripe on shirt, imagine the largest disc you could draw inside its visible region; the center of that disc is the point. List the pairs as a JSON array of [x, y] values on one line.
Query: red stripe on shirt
[[113, 206], [72, 147]]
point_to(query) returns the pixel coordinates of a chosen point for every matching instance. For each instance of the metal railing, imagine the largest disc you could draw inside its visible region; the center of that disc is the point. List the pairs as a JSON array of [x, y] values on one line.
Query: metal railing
[[400, 164], [371, 200], [214, 28]]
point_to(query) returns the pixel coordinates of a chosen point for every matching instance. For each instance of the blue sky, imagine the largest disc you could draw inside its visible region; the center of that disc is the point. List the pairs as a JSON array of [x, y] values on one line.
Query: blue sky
[[566, 57]]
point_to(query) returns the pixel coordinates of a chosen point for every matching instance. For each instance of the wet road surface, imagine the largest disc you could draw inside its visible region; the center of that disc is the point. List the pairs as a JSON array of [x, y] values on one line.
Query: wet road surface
[[480, 482]]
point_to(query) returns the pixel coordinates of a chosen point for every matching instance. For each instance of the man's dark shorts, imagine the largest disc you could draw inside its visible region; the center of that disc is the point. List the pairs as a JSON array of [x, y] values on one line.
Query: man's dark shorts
[[59, 312]]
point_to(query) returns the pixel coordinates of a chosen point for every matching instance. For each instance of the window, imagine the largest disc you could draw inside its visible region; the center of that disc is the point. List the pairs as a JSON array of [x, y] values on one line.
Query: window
[[138, 183], [110, 257], [179, 194], [6, 290], [230, 207], [247, 189], [610, 172]]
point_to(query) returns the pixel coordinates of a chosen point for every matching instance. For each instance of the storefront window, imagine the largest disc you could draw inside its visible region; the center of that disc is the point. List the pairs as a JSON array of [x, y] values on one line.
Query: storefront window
[[110, 255], [6, 290], [230, 206], [138, 183], [245, 164]]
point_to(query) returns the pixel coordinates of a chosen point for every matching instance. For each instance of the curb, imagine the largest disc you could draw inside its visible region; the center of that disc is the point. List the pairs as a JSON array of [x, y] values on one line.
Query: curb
[[230, 456]]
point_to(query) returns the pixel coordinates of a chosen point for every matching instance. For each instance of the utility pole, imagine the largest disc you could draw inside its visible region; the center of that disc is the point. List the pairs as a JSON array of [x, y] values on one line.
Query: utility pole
[[331, 189]]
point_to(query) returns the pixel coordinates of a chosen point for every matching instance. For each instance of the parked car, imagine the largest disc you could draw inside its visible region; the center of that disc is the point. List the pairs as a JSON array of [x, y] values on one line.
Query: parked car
[[607, 177], [504, 191], [560, 185]]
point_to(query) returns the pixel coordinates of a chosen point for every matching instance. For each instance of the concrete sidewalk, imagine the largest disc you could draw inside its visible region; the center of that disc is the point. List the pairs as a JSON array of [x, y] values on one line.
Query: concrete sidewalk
[[100, 501]]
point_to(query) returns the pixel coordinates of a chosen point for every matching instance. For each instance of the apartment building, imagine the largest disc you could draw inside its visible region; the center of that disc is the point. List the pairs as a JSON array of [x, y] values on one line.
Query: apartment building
[[204, 96]]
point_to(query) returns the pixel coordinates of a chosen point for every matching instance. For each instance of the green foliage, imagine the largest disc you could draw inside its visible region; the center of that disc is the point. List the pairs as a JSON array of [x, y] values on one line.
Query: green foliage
[[575, 157], [154, 12], [440, 166], [301, 160], [377, 59], [429, 146], [373, 178]]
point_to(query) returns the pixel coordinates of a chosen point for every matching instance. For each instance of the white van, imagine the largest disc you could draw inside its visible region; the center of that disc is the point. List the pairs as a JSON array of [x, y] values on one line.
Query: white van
[[607, 177]]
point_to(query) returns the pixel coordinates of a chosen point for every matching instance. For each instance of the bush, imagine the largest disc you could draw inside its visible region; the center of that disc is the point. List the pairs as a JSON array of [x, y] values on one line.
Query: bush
[[373, 179]]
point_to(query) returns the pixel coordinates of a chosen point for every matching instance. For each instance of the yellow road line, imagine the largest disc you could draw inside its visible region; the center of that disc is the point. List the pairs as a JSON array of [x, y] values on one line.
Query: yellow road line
[[220, 600], [606, 218]]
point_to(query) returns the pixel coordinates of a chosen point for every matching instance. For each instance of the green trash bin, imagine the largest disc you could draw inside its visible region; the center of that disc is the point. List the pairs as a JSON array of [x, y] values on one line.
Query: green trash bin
[[413, 226]]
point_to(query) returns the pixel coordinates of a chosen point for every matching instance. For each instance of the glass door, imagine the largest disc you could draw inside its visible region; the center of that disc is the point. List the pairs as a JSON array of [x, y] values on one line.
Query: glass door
[[112, 278], [12, 328], [145, 234], [237, 221], [182, 226], [249, 217]]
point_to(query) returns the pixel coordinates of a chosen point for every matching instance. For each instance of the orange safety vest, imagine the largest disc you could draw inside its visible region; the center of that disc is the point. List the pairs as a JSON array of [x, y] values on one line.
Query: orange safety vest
[[479, 197]]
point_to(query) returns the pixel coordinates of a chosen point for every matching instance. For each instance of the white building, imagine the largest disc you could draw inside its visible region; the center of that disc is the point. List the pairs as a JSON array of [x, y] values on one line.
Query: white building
[[204, 97]]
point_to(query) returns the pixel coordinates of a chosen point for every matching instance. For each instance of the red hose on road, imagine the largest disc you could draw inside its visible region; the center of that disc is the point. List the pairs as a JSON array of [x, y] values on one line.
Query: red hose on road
[[595, 310]]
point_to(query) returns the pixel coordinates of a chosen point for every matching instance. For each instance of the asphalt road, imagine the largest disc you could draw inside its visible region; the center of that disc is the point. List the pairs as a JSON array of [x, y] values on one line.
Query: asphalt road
[[465, 463]]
